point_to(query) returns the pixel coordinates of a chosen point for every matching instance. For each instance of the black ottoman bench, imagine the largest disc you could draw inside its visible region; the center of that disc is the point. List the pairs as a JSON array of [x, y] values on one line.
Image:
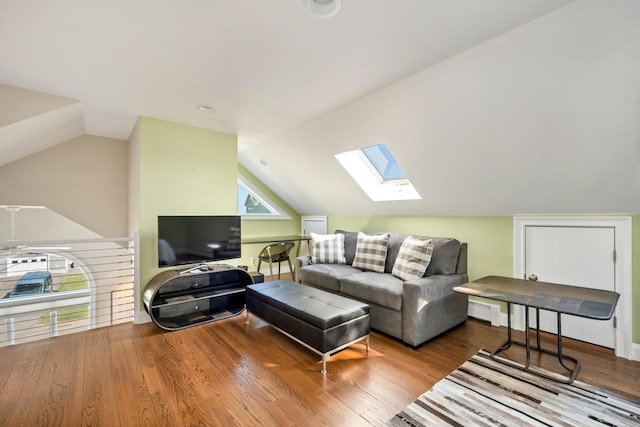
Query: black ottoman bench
[[321, 321]]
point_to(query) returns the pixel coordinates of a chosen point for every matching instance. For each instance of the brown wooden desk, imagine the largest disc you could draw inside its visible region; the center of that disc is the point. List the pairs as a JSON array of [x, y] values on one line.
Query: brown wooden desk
[[277, 239], [561, 299]]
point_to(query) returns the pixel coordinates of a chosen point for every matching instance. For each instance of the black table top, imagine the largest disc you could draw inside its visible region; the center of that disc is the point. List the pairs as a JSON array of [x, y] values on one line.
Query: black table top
[[567, 299]]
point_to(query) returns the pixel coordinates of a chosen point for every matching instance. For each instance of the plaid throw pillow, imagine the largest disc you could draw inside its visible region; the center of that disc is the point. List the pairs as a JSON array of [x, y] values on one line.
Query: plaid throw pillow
[[328, 249], [413, 258], [371, 252]]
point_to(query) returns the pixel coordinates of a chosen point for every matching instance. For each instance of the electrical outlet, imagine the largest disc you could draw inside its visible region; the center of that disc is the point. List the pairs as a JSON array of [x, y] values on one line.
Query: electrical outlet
[[252, 260]]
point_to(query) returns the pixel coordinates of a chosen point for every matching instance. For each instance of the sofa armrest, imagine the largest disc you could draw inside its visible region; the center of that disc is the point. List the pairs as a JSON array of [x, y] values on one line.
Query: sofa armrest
[[300, 262], [431, 307]]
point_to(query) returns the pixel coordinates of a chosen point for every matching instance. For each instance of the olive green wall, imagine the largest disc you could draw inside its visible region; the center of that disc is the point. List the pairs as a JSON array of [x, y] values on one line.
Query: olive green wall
[[265, 227], [183, 170], [490, 241]]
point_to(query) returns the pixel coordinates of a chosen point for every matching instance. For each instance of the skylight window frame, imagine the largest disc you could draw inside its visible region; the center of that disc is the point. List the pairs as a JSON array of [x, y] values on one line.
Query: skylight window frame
[[371, 166], [369, 178]]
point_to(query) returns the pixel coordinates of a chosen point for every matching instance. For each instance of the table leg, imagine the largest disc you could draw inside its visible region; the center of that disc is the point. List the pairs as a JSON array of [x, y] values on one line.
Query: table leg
[[568, 379], [508, 327], [508, 342], [538, 328], [562, 358], [527, 343]]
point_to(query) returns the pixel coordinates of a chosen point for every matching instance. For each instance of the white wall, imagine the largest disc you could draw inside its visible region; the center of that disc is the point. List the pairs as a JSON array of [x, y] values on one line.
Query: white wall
[[41, 225], [542, 119], [85, 179]]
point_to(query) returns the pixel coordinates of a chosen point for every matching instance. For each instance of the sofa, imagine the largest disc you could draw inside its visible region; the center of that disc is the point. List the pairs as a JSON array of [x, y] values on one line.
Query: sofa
[[413, 307]]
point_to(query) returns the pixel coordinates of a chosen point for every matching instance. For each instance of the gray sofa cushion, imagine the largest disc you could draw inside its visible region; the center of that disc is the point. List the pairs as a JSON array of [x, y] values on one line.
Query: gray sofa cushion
[[445, 256], [443, 260], [326, 276], [382, 289], [350, 243]]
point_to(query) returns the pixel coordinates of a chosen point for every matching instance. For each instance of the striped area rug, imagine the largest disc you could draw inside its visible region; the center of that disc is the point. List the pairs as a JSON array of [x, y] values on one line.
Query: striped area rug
[[483, 392]]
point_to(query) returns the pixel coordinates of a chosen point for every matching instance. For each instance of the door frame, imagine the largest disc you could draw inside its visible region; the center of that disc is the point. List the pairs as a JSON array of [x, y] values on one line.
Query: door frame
[[622, 269]]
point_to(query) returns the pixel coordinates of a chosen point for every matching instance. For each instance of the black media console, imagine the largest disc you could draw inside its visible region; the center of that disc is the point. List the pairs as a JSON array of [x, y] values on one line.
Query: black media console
[[179, 299]]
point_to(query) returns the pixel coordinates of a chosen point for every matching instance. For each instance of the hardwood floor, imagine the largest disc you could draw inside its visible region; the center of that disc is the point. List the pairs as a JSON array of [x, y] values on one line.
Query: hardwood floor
[[228, 373]]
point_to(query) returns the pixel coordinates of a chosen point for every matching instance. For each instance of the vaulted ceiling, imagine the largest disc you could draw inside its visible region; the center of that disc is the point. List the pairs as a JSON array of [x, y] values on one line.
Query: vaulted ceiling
[[490, 106]]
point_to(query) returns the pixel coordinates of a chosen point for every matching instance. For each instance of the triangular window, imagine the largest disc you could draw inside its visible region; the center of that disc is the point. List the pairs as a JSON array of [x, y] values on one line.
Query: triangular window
[[254, 204]]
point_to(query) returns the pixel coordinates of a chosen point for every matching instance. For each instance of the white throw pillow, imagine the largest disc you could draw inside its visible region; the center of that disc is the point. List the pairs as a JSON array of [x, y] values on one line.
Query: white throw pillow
[[327, 249], [371, 252], [413, 258]]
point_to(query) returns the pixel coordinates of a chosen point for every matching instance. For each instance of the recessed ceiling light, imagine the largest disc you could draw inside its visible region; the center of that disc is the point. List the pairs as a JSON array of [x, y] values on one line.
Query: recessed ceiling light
[[205, 109], [324, 8]]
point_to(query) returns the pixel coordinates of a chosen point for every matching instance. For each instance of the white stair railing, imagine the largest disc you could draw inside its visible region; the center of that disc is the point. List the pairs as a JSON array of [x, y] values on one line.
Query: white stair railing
[[93, 286]]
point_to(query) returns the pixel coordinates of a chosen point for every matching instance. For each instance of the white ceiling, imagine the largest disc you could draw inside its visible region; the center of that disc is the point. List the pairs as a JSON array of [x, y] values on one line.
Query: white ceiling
[[269, 68]]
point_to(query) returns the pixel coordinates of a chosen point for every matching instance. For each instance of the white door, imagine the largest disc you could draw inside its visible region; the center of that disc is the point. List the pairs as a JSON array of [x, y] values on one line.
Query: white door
[[579, 256], [312, 224]]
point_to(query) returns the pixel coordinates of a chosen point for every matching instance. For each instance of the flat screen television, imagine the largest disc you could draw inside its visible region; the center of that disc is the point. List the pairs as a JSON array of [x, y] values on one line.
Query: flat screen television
[[197, 239]]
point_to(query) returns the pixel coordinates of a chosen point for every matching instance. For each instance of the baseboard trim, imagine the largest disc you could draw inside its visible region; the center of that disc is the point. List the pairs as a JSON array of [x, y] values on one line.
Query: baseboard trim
[[485, 311], [142, 317], [635, 352]]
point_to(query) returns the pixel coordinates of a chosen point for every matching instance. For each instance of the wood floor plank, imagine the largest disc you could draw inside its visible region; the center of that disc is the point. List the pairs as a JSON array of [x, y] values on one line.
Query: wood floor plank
[[60, 386], [264, 390], [24, 382], [129, 379], [170, 381], [9, 371], [100, 403], [216, 368], [230, 373]]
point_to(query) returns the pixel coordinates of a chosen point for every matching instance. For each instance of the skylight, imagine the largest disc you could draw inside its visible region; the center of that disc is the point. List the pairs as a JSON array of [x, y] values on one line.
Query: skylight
[[378, 174], [383, 162]]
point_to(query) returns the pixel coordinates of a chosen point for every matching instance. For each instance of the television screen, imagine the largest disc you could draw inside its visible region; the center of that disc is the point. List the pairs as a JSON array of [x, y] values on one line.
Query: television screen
[[197, 239]]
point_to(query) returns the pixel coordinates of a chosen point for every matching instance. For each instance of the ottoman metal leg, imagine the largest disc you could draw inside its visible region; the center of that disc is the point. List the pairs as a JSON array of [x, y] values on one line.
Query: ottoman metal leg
[[325, 356]]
